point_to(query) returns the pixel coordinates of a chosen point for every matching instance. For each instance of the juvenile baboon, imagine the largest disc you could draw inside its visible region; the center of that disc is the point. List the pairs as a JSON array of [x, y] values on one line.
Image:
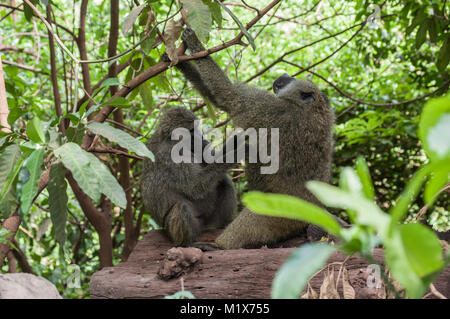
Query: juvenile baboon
[[184, 198], [305, 121]]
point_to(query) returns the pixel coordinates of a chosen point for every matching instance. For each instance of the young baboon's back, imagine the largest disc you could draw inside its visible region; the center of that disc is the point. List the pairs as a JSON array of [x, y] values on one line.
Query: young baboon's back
[[305, 120], [184, 198]]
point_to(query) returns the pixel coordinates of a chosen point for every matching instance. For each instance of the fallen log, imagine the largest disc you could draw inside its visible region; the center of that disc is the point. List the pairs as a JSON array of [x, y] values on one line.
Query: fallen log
[[154, 270]]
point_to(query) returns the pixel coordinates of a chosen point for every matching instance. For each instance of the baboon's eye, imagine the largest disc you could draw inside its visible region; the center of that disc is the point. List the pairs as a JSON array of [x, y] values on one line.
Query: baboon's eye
[[308, 97]]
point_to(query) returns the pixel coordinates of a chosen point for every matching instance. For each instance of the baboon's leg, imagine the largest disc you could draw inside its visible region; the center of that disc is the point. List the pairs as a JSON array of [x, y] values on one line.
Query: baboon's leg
[[225, 205], [250, 230], [182, 225]]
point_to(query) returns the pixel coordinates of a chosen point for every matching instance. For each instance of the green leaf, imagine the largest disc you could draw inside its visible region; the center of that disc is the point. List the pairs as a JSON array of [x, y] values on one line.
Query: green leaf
[[181, 295], [91, 174], [366, 212], [8, 202], [198, 18], [120, 137], [119, 102], [216, 12], [438, 179], [110, 82], [432, 29], [107, 183], [292, 277], [29, 190], [364, 175], [6, 189], [239, 23], [9, 157], [34, 131], [412, 252], [14, 115], [280, 205], [418, 19], [409, 194], [57, 200], [28, 12], [73, 117], [131, 18], [75, 159], [148, 43], [421, 35], [444, 55], [145, 90], [400, 268], [422, 248], [349, 181], [434, 126]]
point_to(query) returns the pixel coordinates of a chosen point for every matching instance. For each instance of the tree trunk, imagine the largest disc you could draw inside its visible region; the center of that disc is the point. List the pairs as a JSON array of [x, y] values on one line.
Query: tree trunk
[[242, 273]]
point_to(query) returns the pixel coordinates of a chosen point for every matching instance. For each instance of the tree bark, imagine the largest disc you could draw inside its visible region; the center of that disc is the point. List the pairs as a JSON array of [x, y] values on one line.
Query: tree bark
[[242, 273]]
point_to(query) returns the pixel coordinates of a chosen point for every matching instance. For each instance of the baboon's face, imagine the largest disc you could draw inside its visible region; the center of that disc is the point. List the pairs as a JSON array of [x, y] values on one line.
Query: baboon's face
[[303, 93]]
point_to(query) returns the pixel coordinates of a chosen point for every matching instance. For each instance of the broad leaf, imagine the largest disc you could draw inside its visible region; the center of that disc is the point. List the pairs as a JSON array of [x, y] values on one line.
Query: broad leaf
[[171, 35], [107, 183], [421, 35], [422, 248], [131, 18], [198, 18], [8, 158], [409, 194], [438, 179], [29, 190], [145, 90], [400, 259], [349, 181], [216, 12], [120, 137], [367, 213], [119, 102], [57, 200], [444, 55], [76, 160], [280, 205], [434, 128], [34, 131], [364, 177], [6, 198], [110, 82], [295, 273]]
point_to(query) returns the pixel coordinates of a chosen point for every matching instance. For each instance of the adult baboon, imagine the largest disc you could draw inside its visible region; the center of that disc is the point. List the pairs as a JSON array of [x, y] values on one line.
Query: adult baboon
[[305, 121]]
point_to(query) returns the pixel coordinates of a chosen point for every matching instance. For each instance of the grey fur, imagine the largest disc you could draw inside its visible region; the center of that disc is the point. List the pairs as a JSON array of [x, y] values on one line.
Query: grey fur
[[184, 198], [305, 121]]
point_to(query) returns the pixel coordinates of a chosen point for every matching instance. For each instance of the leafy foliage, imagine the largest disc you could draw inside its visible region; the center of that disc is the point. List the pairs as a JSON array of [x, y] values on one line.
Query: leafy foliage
[[404, 54], [413, 252]]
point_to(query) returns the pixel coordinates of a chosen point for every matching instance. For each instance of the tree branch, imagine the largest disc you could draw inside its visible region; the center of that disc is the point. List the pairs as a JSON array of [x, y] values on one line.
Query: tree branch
[[100, 220], [54, 74]]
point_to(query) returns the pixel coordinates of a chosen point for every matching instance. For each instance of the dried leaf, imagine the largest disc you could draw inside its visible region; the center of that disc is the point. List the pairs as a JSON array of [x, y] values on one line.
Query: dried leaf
[[131, 18], [305, 295], [171, 35], [348, 291], [328, 289], [310, 293]]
